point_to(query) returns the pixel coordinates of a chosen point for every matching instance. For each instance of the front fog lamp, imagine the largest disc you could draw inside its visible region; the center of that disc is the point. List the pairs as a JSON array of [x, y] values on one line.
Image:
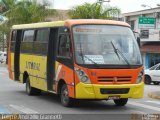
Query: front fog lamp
[[82, 75], [140, 77]]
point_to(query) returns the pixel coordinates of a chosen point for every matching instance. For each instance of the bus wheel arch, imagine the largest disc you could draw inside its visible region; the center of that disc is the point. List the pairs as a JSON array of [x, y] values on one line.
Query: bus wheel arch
[[64, 95], [61, 82], [31, 90]]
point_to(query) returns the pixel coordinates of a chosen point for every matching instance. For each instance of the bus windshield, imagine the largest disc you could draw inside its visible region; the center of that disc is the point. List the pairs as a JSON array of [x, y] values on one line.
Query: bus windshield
[[105, 44]]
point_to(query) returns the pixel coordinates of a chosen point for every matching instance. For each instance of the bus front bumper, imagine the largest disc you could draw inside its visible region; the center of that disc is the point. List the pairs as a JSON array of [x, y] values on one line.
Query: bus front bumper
[[94, 91]]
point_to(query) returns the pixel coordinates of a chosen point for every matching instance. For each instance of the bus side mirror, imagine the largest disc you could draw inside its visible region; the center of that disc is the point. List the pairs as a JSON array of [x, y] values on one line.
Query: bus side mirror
[[139, 41], [137, 36]]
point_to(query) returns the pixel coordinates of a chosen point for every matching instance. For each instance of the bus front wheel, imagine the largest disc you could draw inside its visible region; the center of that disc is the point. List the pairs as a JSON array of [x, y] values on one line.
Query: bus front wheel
[[65, 99], [30, 90], [121, 102]]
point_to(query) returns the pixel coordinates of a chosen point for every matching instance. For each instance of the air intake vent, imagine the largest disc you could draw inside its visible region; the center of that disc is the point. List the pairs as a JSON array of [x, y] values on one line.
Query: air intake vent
[[117, 79]]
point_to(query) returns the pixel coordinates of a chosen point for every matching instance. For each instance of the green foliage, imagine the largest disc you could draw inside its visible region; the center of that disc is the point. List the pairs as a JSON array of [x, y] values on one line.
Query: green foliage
[[25, 11], [3, 6], [95, 10]]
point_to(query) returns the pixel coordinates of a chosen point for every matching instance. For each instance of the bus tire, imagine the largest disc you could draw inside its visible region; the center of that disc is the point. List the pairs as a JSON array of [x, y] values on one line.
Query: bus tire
[[156, 83], [64, 96], [30, 90], [121, 102]]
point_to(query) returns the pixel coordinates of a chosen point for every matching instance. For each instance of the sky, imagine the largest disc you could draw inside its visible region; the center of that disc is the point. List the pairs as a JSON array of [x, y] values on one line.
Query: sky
[[124, 5]]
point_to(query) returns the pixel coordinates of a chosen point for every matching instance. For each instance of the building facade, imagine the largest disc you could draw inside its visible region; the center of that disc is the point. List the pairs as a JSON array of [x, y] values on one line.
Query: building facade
[[147, 24]]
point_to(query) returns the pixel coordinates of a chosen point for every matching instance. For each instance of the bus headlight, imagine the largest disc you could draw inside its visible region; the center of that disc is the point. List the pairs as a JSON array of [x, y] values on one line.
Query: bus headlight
[[81, 73], [140, 77], [82, 76], [84, 79]]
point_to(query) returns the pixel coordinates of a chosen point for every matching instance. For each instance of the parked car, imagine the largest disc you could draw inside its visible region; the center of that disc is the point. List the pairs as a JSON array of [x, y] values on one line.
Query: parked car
[[153, 75], [3, 57]]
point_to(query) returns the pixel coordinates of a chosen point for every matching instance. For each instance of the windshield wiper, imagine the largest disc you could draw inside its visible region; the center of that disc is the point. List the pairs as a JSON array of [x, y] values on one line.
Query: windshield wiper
[[118, 52], [115, 50]]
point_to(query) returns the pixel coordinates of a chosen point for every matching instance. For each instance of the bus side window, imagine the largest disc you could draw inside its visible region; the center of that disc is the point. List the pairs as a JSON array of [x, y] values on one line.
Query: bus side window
[[13, 39], [28, 36], [41, 42], [64, 46], [27, 42], [13, 36]]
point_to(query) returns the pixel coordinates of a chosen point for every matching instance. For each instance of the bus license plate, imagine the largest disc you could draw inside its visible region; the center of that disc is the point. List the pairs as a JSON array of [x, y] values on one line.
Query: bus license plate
[[114, 97]]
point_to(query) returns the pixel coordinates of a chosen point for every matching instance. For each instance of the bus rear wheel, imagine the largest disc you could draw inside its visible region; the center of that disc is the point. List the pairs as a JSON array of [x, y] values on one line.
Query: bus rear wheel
[[30, 90], [65, 99], [121, 102]]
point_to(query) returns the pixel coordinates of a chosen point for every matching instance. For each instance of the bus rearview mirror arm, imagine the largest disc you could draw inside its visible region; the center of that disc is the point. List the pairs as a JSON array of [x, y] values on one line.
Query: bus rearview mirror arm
[[137, 36]]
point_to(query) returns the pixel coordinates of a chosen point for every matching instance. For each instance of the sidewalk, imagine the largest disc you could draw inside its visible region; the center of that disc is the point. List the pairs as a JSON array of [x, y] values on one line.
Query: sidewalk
[[154, 95], [3, 65]]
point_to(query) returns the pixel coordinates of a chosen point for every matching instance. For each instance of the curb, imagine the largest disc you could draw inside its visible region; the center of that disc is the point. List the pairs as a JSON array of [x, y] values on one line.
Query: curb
[[154, 95]]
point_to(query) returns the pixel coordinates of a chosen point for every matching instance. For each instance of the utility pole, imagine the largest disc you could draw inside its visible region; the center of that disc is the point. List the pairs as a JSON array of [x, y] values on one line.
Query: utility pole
[[98, 1], [103, 0]]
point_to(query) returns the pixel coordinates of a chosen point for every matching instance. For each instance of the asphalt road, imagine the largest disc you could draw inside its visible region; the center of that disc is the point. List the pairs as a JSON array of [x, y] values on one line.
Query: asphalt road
[[14, 100]]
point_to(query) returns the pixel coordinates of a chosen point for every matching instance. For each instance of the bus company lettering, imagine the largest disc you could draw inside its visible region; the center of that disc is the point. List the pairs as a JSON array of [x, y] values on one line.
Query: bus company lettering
[[88, 30], [33, 65]]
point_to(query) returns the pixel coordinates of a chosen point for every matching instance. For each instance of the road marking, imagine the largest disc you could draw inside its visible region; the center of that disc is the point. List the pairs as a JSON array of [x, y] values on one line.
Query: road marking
[[3, 110], [144, 106], [23, 109], [155, 102]]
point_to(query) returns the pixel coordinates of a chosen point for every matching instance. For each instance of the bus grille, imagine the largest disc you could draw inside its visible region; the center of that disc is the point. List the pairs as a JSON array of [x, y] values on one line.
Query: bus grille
[[117, 79]]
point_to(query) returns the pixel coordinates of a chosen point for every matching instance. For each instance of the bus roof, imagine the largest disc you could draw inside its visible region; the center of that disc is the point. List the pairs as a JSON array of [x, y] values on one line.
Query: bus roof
[[38, 25], [69, 23], [72, 22]]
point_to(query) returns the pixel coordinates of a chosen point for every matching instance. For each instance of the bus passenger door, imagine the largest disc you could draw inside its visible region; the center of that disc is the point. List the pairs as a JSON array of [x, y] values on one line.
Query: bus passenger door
[[51, 58], [17, 55], [64, 60]]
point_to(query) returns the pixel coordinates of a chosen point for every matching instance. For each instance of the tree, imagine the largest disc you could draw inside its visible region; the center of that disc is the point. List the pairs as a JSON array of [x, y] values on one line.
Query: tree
[[95, 10], [3, 6], [24, 11], [27, 11]]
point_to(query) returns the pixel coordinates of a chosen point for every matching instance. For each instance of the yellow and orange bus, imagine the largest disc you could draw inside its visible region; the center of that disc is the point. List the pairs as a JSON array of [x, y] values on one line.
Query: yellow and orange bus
[[77, 59]]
